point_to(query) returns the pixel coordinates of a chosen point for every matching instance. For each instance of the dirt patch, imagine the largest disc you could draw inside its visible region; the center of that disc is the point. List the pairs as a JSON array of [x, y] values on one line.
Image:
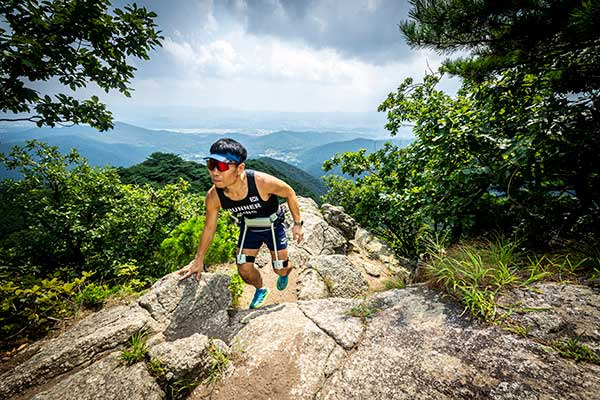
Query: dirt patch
[[269, 280]]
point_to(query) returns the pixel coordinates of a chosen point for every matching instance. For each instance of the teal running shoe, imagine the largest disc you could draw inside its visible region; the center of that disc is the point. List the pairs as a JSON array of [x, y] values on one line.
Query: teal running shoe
[[282, 282], [260, 296]]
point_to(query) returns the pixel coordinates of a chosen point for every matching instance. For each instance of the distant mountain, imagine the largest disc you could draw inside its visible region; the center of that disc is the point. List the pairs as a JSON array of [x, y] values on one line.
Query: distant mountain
[[296, 174], [127, 145], [311, 160], [163, 168], [97, 153]]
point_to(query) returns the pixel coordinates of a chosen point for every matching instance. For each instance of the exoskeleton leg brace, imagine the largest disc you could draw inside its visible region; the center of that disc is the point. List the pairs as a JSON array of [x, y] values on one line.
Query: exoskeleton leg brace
[[267, 222]]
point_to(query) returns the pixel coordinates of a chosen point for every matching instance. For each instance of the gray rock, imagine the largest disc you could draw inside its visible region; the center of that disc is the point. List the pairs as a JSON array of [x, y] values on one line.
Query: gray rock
[[335, 216], [105, 331], [418, 346], [168, 311], [319, 236], [332, 316], [184, 308], [107, 379], [310, 285], [376, 249], [187, 358], [553, 311], [339, 275], [285, 356]]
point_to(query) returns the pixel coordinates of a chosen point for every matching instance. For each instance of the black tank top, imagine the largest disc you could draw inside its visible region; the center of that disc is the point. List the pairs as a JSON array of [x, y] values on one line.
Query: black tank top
[[251, 206]]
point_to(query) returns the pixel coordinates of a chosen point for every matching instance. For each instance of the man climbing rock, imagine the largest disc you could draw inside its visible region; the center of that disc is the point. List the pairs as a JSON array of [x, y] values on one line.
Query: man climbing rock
[[252, 196]]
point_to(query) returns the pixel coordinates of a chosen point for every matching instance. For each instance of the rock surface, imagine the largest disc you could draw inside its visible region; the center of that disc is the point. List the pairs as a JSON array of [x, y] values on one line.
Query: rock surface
[[401, 344], [338, 273], [551, 311], [108, 378], [416, 345]]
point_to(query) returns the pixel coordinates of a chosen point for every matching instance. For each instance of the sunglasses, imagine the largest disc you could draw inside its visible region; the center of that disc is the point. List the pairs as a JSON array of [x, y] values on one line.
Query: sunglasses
[[220, 165]]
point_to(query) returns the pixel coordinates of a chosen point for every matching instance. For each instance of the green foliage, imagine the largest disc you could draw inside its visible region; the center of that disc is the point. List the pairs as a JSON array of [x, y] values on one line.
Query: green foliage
[[219, 362], [363, 310], [93, 295], [160, 169], [64, 212], [137, 350], [573, 348], [236, 288], [31, 305], [489, 159], [557, 39], [514, 151], [65, 218], [474, 273], [395, 282], [181, 244], [77, 43], [156, 368]]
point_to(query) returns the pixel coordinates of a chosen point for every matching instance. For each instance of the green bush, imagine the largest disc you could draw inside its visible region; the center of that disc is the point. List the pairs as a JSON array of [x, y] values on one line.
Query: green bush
[[32, 306], [180, 247], [93, 295], [236, 288]]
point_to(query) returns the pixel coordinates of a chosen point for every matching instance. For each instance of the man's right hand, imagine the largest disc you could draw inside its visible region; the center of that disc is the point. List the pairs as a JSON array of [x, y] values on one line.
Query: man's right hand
[[193, 268]]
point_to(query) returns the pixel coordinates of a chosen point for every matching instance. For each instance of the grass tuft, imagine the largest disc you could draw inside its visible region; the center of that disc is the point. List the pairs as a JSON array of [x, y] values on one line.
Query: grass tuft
[[363, 310], [573, 348], [137, 350]]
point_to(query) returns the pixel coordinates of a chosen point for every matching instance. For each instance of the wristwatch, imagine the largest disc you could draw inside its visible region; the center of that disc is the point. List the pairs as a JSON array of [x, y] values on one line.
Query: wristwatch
[[300, 223]]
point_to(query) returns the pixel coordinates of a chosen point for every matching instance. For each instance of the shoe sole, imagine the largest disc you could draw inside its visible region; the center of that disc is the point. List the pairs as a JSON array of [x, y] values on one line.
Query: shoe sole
[[261, 303]]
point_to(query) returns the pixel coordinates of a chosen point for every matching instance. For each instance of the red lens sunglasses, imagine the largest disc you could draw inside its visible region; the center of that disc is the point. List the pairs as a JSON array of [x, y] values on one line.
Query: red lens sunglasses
[[221, 166]]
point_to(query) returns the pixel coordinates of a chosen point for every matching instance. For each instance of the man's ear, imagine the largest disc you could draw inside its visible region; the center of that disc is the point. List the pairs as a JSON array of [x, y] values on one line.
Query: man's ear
[[241, 168]]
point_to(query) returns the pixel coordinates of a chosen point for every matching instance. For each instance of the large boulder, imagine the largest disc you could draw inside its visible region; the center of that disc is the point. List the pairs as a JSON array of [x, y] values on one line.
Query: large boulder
[[365, 242], [186, 307], [170, 310], [336, 272], [336, 217], [109, 378], [187, 358], [105, 331], [401, 344]]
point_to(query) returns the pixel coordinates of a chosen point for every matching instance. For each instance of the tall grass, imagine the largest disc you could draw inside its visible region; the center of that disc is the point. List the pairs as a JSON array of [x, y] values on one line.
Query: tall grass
[[476, 272]]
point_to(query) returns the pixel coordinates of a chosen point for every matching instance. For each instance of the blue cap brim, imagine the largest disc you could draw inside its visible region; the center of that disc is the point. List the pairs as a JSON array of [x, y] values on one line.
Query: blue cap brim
[[218, 157]]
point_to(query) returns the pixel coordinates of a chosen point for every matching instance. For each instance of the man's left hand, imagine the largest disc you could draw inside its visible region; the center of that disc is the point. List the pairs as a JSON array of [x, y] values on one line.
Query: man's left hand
[[298, 235]]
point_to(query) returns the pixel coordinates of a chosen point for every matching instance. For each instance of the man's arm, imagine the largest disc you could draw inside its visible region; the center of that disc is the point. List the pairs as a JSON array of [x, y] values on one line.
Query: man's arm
[[269, 184], [212, 205]]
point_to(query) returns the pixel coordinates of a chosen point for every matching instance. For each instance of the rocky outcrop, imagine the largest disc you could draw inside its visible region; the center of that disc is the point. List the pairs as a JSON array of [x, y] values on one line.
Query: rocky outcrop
[[340, 341], [108, 378], [553, 312], [414, 345], [365, 261], [335, 273], [170, 310]]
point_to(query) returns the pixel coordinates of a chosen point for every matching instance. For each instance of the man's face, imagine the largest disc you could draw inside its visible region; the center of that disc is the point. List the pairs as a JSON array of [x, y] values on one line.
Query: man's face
[[223, 179]]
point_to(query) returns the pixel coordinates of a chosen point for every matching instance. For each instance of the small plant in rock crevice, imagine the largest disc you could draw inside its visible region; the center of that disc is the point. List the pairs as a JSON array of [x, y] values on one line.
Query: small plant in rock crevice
[[138, 348], [218, 363], [363, 310], [574, 349]]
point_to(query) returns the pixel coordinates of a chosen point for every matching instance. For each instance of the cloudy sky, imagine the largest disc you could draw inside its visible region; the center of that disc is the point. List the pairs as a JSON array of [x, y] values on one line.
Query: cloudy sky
[[278, 55]]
